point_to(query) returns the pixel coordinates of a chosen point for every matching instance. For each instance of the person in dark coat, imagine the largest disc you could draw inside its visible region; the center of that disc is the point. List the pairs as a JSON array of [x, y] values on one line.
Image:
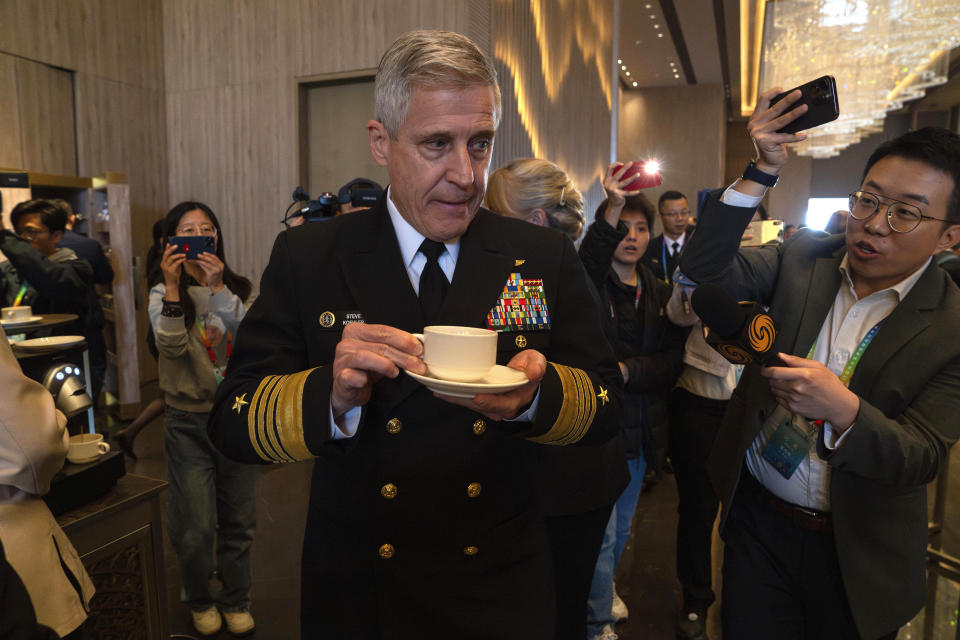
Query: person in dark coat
[[85, 247], [650, 352], [423, 518]]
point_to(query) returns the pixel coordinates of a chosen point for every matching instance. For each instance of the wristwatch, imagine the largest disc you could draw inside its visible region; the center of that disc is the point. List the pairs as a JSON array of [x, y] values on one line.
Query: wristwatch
[[766, 179]]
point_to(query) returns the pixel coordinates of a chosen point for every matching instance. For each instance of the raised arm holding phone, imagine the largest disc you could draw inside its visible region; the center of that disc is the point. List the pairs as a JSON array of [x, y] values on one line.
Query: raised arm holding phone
[[822, 463]]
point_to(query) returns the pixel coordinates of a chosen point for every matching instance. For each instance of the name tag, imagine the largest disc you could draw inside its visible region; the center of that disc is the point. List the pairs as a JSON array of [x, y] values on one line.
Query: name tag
[[521, 307], [787, 447]]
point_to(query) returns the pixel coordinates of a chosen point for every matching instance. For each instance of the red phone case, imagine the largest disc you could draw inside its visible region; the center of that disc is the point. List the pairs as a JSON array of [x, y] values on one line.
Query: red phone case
[[643, 180]]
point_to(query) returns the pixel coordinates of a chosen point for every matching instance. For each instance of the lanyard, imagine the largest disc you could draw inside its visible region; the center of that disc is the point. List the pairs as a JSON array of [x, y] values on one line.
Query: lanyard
[[206, 342], [854, 360], [663, 257]]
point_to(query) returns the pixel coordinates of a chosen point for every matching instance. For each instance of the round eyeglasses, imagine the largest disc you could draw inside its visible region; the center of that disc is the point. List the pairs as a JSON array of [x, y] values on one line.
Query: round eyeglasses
[[902, 217]]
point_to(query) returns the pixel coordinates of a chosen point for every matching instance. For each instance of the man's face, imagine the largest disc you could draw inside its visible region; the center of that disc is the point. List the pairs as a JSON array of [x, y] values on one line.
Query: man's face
[[673, 216], [32, 229], [438, 163], [632, 247], [879, 257]]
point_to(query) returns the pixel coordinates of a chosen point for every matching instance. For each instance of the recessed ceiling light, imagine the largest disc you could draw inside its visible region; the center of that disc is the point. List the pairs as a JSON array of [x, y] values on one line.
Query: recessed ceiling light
[[619, 61], [628, 73], [637, 42], [648, 6], [634, 83], [652, 16], [656, 26], [623, 67], [676, 76], [659, 35]]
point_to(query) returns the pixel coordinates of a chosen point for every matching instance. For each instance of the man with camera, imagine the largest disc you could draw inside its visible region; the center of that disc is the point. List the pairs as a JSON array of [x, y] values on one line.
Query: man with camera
[[822, 459], [423, 519]]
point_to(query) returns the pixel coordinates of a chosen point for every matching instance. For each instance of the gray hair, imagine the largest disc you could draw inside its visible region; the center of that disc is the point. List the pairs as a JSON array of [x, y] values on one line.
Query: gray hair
[[432, 59], [528, 184]]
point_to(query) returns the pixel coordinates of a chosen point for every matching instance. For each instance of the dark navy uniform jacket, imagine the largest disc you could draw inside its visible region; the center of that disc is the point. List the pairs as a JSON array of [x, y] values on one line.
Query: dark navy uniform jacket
[[426, 522]]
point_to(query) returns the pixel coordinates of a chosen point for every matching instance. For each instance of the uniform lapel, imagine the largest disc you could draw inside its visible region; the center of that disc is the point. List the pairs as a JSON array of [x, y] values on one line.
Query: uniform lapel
[[902, 325], [483, 267]]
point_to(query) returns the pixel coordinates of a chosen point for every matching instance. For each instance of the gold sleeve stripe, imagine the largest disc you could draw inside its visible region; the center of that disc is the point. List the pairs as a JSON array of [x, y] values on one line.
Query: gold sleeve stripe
[[275, 419], [577, 411]]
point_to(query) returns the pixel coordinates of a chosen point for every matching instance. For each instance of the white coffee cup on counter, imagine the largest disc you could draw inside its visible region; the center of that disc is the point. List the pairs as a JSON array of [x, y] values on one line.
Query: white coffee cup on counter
[[16, 314], [458, 354], [86, 447]]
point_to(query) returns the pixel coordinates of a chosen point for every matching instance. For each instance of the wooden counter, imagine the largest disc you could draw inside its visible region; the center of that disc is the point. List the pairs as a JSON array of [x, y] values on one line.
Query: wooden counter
[[119, 537]]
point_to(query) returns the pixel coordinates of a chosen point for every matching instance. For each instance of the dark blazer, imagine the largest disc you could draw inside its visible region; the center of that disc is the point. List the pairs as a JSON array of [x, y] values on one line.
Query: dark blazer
[[909, 387], [426, 523], [90, 250], [653, 257]]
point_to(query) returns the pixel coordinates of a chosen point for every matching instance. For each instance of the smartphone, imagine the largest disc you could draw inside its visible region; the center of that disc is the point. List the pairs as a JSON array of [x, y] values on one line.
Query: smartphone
[[647, 175], [761, 232], [194, 245], [820, 96]]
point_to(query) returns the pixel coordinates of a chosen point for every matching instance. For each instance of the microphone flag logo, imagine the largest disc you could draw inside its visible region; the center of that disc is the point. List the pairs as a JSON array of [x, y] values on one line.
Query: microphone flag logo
[[761, 333]]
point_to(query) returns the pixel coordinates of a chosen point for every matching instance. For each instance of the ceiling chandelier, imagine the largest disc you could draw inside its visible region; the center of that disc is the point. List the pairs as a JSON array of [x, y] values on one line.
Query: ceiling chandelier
[[881, 52]]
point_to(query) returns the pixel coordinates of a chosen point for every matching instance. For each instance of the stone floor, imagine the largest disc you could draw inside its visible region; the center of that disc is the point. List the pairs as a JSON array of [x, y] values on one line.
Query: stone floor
[[645, 578]]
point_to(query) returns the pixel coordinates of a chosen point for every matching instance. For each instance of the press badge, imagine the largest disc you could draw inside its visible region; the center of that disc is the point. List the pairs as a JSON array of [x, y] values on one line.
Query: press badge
[[787, 447], [218, 373]]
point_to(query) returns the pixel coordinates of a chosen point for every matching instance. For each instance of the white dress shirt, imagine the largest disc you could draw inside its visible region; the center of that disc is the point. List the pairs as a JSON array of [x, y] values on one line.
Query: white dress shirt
[[847, 323]]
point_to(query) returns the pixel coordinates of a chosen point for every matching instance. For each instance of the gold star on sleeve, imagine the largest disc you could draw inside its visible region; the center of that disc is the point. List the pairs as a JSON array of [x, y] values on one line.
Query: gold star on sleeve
[[238, 402], [604, 397]]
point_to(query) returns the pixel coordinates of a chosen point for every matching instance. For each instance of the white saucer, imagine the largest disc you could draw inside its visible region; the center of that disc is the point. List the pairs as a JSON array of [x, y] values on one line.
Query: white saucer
[[16, 323], [499, 380], [49, 343], [86, 460]]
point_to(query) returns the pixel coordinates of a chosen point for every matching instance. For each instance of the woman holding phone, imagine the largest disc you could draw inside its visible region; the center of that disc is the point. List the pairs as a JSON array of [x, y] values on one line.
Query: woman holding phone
[[195, 309]]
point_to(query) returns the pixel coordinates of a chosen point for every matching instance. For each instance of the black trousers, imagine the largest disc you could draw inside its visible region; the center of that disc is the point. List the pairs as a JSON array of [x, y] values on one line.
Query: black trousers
[[694, 423], [780, 580], [575, 544]]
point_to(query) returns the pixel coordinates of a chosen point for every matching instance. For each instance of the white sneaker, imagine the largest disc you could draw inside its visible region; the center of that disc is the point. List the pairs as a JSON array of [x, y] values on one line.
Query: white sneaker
[[207, 622], [239, 623], [619, 608], [607, 633]]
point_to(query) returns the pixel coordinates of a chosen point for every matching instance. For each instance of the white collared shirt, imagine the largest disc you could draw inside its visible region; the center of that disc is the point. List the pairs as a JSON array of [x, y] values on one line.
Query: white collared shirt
[[668, 243]]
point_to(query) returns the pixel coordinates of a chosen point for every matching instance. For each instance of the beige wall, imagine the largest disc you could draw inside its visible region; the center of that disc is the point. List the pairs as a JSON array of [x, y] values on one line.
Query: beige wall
[[115, 50], [231, 77], [683, 127], [554, 63]]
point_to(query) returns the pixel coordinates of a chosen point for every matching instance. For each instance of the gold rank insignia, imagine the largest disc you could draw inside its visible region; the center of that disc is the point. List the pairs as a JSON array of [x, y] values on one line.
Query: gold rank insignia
[[517, 263], [238, 402], [327, 319], [604, 397]]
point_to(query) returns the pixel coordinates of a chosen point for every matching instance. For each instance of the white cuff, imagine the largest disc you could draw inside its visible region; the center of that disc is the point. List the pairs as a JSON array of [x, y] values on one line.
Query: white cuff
[[830, 438], [734, 198], [351, 422]]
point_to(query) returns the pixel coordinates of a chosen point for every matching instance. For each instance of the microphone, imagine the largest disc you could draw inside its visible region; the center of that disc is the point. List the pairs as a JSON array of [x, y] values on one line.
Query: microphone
[[742, 332]]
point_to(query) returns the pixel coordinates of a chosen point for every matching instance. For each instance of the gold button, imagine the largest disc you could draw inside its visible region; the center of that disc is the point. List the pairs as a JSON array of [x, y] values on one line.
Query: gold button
[[473, 489], [386, 551], [479, 426], [394, 425], [520, 341], [467, 551], [389, 491]]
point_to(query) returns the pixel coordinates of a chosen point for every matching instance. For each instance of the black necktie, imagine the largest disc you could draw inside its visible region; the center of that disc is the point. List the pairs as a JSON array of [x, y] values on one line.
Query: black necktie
[[676, 249], [433, 282]]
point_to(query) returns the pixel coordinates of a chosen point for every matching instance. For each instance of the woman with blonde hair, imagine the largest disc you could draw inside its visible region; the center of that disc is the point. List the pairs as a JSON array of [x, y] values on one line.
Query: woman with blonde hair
[[537, 191], [578, 485]]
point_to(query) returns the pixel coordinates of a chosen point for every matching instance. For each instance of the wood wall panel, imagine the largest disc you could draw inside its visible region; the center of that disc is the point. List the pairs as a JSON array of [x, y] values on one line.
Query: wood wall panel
[[46, 118], [116, 39], [684, 128], [554, 60], [11, 151]]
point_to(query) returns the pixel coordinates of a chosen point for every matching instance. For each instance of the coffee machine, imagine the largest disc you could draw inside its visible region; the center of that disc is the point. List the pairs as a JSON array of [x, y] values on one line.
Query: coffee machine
[[63, 373]]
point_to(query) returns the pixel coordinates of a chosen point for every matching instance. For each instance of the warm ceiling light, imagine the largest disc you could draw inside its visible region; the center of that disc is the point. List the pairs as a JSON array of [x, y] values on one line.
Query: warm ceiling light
[[652, 16], [634, 83], [659, 35], [648, 6], [619, 61], [656, 26], [628, 73], [623, 67]]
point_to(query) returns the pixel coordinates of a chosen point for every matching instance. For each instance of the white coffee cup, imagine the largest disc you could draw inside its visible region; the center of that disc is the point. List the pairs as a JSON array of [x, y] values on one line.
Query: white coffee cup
[[86, 447], [458, 354], [16, 314]]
